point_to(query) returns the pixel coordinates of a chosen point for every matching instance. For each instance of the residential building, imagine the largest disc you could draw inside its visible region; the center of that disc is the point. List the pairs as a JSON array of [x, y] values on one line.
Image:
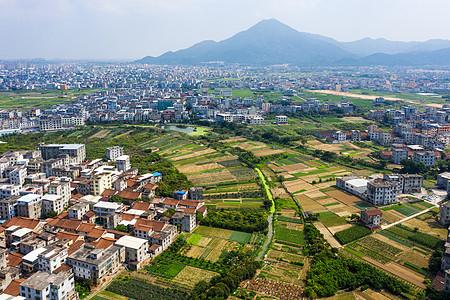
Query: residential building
[[399, 154], [76, 152], [49, 286], [443, 181], [8, 207], [196, 193], [102, 208], [135, 250], [381, 192], [78, 210], [426, 157], [52, 203], [29, 206], [371, 218], [112, 153], [52, 258], [281, 120], [95, 263], [9, 190], [352, 184], [123, 163], [444, 214], [60, 188]]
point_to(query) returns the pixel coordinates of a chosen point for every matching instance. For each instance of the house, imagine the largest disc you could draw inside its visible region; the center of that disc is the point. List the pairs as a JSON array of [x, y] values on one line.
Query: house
[[352, 184], [444, 214], [95, 263], [46, 286], [102, 208], [381, 192], [196, 193], [371, 218], [78, 210], [135, 250]]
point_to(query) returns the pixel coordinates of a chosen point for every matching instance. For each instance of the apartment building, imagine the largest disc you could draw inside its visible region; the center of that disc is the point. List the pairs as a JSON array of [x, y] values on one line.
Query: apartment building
[[281, 120], [352, 184], [381, 192], [101, 182], [95, 263], [17, 176], [196, 193], [123, 163], [52, 258], [49, 286], [112, 153], [76, 152], [52, 203], [78, 210], [426, 157], [399, 154], [30, 206], [135, 250], [102, 208], [8, 190], [8, 207], [60, 188], [444, 214]]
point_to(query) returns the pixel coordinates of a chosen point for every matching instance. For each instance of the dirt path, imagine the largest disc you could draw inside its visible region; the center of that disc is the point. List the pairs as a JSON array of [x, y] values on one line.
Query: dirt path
[[327, 234], [400, 271], [371, 97]]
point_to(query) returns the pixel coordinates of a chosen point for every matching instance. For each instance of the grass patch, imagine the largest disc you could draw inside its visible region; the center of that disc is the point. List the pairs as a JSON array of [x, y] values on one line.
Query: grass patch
[[290, 235], [194, 239], [353, 251]]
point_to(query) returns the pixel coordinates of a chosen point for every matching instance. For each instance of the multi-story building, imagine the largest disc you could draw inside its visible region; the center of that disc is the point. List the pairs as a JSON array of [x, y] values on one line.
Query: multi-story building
[[399, 154], [48, 166], [30, 206], [114, 152], [426, 157], [60, 188], [135, 250], [52, 203], [95, 263], [52, 258], [352, 184], [381, 192], [101, 182], [196, 193], [8, 190], [8, 207], [371, 218], [444, 214], [281, 120], [49, 286], [123, 163], [78, 210], [102, 208], [17, 176], [77, 152]]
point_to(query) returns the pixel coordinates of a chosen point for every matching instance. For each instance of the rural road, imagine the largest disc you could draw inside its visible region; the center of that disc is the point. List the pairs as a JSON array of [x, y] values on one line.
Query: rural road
[[405, 219], [270, 218]]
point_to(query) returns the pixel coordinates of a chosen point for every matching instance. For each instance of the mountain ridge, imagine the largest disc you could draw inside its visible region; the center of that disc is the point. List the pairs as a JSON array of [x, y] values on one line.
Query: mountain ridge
[[273, 42]]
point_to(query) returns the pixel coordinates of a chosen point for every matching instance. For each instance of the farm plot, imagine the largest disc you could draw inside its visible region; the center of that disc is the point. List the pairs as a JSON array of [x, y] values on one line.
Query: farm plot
[[308, 204], [414, 257], [284, 256], [431, 227], [265, 152], [214, 232], [297, 185], [274, 288], [330, 219], [345, 198], [190, 276]]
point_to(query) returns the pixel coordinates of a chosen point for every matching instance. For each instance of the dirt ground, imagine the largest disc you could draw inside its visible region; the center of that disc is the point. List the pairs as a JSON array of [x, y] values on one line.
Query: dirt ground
[[308, 204], [297, 185], [327, 235], [264, 152], [198, 168], [431, 227], [345, 198], [196, 153]]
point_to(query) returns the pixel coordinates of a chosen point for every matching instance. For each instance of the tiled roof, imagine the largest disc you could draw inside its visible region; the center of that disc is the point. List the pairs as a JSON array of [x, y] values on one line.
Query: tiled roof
[[14, 259], [22, 222], [13, 288]]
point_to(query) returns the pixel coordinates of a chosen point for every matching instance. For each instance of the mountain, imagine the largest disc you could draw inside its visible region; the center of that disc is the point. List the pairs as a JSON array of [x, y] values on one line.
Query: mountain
[[272, 42], [268, 42], [368, 46]]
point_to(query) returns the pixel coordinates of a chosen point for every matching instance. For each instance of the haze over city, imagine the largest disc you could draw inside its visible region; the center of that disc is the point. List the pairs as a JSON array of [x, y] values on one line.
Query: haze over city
[[117, 29]]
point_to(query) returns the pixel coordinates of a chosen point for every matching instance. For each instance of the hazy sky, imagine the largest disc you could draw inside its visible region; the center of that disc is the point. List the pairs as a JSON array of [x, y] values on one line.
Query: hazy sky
[[131, 29]]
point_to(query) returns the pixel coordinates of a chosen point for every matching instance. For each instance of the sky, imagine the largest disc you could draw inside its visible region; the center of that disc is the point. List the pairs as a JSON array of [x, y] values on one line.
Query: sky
[[132, 29]]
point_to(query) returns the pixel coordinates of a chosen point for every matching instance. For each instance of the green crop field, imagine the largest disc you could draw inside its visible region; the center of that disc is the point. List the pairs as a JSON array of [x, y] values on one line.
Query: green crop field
[[240, 237]]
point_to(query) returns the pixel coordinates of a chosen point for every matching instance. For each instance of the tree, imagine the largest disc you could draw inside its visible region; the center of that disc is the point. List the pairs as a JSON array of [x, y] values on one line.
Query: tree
[[116, 198], [50, 214], [121, 228]]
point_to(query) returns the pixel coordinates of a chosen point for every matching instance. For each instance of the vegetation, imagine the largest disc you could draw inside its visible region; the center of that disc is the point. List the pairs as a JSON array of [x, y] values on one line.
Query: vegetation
[[241, 220], [139, 290], [352, 234]]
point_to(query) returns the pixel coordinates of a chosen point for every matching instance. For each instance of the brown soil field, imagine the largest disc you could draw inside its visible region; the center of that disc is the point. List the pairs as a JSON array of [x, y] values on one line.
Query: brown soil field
[[314, 194], [196, 153], [217, 244], [344, 211], [329, 201], [335, 229], [327, 235], [276, 168], [308, 204], [392, 216], [297, 185], [390, 242], [286, 175], [290, 225], [249, 146], [297, 168], [123, 134], [351, 119], [199, 168], [415, 258], [430, 227], [345, 198], [288, 212], [191, 276], [195, 251], [402, 272], [204, 241], [265, 152], [101, 134], [234, 139]]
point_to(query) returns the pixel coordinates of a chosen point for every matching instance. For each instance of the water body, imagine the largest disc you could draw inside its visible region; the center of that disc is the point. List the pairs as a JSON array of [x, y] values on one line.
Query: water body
[[187, 130]]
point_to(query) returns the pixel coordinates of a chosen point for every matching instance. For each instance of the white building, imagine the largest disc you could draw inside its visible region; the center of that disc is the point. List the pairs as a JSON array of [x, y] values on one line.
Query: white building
[[48, 286], [381, 192], [352, 184], [102, 208], [281, 120], [123, 163], [78, 210], [52, 203], [52, 258], [426, 157], [114, 152], [136, 250]]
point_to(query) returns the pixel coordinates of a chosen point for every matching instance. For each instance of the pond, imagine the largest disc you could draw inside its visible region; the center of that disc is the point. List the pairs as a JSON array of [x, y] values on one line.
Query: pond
[[187, 130]]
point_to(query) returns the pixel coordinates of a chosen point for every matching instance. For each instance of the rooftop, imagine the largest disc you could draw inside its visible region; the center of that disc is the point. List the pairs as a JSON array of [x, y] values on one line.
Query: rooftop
[[131, 242], [41, 280]]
